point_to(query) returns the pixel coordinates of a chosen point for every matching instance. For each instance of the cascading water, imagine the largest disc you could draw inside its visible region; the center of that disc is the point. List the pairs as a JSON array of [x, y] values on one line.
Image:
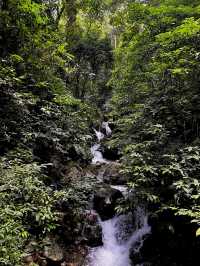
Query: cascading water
[[105, 125], [99, 135], [116, 245], [97, 155], [118, 236]]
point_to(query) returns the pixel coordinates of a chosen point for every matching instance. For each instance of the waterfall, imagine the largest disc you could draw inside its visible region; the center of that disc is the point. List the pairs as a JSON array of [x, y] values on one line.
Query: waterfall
[[105, 125], [119, 234], [99, 134], [97, 155], [116, 245]]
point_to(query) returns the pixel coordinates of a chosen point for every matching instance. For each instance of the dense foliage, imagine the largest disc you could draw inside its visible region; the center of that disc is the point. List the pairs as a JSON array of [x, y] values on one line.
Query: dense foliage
[[156, 77], [66, 64], [49, 68]]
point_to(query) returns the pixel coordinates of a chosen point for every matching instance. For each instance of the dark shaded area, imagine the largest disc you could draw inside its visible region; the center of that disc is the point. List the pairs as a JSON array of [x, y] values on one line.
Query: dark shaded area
[[167, 245]]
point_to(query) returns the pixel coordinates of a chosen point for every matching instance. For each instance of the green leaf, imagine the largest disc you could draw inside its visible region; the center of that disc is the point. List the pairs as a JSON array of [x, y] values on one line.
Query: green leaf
[[198, 232]]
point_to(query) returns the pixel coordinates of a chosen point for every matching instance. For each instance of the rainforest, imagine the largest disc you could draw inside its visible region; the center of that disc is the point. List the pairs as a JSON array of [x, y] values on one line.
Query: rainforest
[[99, 132]]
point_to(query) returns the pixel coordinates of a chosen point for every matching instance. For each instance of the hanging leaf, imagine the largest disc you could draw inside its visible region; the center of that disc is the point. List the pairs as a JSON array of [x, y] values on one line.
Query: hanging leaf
[[198, 232]]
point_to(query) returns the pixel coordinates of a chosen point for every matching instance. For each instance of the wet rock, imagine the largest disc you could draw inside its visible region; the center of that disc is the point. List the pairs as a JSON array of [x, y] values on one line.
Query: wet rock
[[111, 154], [108, 173], [38, 258], [27, 259], [92, 231], [112, 174], [50, 262], [91, 217], [72, 173], [172, 241], [105, 201], [93, 235], [53, 250], [53, 253], [47, 150], [75, 255]]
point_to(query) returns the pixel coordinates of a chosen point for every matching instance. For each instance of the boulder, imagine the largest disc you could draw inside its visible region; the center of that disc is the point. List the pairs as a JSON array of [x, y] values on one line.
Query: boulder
[[50, 153], [108, 173], [53, 253], [53, 250], [75, 255], [111, 154], [105, 201], [172, 241], [72, 173], [112, 175], [92, 231], [27, 259], [40, 259], [93, 235]]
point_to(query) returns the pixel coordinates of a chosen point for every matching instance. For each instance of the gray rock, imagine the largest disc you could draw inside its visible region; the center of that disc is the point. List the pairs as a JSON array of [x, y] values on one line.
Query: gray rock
[[112, 174], [105, 201]]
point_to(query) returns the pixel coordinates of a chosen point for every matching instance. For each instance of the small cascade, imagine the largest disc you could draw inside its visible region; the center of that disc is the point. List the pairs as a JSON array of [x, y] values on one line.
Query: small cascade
[[116, 245], [111, 253], [99, 135], [106, 126], [119, 236], [97, 155]]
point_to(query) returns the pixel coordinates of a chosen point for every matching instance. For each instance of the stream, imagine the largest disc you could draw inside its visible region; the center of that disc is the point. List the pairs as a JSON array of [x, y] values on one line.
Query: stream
[[120, 234]]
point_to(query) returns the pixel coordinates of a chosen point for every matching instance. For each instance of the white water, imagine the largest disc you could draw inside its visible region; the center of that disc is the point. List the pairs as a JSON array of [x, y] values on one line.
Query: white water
[[107, 128], [118, 236], [99, 135], [97, 155], [116, 245], [122, 189]]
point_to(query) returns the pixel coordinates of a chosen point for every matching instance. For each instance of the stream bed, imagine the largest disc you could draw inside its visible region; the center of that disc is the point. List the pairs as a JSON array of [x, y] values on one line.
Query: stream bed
[[120, 234]]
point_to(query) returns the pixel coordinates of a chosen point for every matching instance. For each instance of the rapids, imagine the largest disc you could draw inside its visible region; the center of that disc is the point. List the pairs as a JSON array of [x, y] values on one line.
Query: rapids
[[116, 244], [120, 235]]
